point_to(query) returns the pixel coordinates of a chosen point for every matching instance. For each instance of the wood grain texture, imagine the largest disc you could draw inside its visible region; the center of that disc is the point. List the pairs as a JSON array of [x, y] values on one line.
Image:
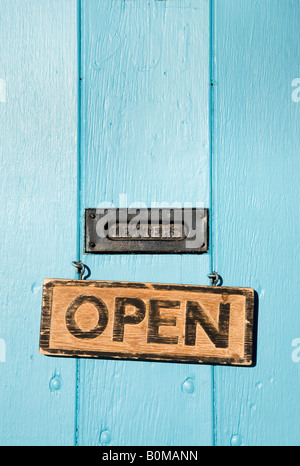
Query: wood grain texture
[[145, 321], [256, 191], [38, 150], [145, 134]]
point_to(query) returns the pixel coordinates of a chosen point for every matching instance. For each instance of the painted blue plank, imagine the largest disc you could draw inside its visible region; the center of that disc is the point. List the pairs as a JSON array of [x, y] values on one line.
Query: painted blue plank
[[256, 203], [38, 190], [145, 138]]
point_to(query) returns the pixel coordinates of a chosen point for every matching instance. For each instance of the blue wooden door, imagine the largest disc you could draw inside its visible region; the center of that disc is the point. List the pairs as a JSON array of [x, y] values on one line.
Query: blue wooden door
[[143, 103]]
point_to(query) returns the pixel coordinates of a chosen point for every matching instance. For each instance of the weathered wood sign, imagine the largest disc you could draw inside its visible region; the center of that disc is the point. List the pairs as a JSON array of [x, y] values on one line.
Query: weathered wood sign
[[182, 323]]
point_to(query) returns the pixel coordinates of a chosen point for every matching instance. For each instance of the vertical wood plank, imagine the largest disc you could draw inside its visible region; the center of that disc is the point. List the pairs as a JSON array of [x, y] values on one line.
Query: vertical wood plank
[[38, 190], [145, 134], [256, 196]]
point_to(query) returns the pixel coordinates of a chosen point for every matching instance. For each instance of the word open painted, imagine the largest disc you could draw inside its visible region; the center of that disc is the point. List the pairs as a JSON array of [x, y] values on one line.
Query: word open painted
[[145, 321]]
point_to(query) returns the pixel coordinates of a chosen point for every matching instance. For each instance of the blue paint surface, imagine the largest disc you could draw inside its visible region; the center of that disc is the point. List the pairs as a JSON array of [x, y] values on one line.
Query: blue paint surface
[[180, 101], [38, 151], [256, 193]]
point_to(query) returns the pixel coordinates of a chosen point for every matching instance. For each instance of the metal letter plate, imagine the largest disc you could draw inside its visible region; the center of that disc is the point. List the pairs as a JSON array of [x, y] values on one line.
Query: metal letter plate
[[146, 231]]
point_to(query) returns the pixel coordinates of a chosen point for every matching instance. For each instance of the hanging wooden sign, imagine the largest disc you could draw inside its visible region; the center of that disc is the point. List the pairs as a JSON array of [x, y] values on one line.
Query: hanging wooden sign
[[182, 323]]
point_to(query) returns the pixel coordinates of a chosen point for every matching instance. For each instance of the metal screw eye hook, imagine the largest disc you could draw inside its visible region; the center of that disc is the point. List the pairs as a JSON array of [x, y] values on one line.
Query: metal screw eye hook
[[214, 278], [79, 269]]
